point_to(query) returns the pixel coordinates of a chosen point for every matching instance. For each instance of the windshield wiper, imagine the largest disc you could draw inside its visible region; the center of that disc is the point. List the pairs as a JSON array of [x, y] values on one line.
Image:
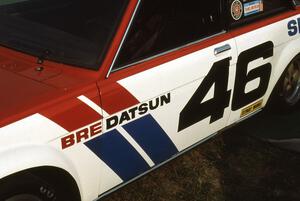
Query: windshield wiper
[[41, 53]]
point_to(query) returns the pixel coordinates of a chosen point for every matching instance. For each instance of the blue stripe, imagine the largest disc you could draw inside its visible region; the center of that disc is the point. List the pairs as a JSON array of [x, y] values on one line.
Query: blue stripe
[[152, 138], [118, 154]]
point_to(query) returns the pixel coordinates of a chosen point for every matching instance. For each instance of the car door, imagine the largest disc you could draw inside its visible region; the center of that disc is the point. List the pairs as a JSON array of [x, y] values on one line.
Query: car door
[[261, 34], [168, 89]]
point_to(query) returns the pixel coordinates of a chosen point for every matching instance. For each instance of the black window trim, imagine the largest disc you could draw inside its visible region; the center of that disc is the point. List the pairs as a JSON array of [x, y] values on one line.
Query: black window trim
[[111, 70]]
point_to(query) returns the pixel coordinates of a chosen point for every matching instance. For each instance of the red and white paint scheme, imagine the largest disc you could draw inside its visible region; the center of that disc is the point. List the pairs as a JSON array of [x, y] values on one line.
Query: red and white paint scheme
[[98, 129]]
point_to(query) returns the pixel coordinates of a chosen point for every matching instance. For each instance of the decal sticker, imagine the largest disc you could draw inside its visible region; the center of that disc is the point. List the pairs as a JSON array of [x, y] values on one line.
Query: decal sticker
[[152, 138], [81, 135], [244, 76], [139, 110], [196, 110], [236, 9], [113, 149], [90, 131], [293, 27], [254, 107], [253, 7], [123, 158], [72, 115]]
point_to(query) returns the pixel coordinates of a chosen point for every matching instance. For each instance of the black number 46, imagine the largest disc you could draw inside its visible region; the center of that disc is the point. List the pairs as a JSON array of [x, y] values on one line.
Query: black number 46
[[196, 110]]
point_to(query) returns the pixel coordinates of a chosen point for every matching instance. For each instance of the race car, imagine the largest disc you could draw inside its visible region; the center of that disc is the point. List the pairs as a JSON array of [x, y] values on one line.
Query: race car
[[95, 94]]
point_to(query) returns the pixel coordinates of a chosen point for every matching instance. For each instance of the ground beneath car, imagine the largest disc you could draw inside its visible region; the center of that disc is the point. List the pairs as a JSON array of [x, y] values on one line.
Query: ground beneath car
[[234, 166]]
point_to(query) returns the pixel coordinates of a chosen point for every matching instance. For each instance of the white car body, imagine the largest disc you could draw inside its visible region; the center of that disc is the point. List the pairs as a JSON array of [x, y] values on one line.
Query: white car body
[[36, 140]]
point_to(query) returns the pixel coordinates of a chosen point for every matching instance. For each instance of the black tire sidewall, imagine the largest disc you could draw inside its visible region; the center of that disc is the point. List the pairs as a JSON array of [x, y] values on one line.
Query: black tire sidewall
[[29, 185]]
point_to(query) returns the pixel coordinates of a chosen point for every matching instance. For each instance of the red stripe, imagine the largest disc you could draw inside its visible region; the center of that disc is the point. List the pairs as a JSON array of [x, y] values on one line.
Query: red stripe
[[72, 115], [116, 98]]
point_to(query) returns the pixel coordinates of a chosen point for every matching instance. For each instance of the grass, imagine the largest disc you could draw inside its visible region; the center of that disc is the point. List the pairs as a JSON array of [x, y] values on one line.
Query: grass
[[232, 166]]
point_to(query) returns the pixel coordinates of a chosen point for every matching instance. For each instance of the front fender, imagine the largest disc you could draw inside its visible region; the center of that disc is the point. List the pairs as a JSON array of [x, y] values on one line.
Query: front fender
[[34, 142], [34, 156], [284, 54]]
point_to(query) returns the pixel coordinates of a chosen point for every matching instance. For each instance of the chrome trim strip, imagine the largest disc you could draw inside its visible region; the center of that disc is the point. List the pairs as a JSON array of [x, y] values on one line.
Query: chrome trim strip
[[124, 37]]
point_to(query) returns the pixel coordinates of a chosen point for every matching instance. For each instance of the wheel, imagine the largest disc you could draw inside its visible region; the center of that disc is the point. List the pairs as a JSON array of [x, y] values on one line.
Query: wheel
[[27, 187], [286, 94], [290, 91]]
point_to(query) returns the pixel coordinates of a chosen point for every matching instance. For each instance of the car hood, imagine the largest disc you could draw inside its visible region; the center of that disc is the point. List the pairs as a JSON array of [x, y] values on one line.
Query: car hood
[[17, 91], [25, 86]]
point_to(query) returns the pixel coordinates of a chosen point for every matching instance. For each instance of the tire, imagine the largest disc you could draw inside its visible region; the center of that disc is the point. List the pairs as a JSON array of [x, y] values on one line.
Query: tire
[[27, 187], [287, 91]]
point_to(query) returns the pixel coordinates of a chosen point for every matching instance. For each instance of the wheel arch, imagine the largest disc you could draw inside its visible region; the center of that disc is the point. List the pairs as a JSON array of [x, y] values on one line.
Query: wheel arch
[[41, 161], [51, 175], [289, 51]]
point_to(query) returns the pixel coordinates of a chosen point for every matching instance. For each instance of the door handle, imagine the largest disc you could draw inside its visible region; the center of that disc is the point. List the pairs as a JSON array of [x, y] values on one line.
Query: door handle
[[222, 49]]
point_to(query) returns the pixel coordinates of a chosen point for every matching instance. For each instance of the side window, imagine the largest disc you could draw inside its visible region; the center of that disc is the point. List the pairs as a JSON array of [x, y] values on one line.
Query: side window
[[161, 26], [246, 11]]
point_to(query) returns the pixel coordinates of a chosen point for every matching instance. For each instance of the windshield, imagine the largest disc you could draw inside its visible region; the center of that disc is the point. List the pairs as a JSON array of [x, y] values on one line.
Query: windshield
[[76, 32]]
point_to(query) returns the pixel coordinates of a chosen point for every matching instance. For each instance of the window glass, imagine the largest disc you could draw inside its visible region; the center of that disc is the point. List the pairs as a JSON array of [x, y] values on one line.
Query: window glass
[[160, 26], [243, 11], [75, 32]]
